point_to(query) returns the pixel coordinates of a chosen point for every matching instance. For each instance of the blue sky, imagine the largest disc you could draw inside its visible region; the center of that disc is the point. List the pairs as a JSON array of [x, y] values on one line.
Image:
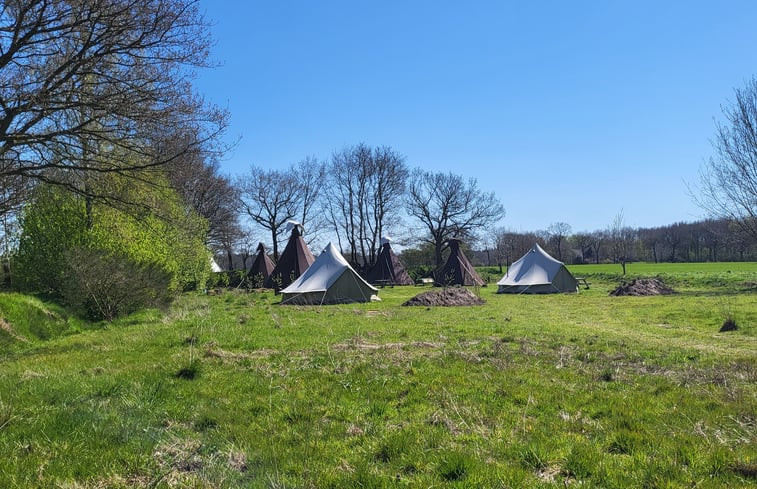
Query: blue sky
[[568, 111]]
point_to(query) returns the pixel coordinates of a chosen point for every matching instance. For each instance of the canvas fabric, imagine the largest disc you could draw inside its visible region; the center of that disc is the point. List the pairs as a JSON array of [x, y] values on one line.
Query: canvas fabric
[[263, 266], [294, 260], [537, 272], [457, 270], [329, 280], [388, 269]]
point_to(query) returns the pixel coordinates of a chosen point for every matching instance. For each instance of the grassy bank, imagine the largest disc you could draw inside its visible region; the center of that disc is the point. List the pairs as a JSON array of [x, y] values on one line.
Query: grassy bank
[[234, 390]]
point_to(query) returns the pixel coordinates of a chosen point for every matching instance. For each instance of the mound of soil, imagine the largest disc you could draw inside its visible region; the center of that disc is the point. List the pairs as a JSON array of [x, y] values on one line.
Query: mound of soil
[[643, 286], [451, 296]]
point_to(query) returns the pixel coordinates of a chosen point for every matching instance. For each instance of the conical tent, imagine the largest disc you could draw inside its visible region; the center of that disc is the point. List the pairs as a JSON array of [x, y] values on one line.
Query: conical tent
[[214, 267], [457, 270], [388, 268], [537, 272], [294, 260], [329, 280], [261, 268]]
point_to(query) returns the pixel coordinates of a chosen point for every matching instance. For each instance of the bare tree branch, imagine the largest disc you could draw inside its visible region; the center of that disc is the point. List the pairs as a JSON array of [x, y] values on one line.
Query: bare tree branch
[[79, 79], [447, 207], [728, 185]]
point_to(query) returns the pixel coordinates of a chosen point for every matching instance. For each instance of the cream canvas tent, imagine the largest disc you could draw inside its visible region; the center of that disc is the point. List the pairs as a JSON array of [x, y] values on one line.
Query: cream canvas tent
[[214, 267], [537, 273], [329, 280]]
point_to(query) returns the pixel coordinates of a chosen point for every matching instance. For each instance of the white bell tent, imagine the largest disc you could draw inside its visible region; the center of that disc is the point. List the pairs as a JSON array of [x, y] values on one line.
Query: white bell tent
[[329, 280], [537, 272]]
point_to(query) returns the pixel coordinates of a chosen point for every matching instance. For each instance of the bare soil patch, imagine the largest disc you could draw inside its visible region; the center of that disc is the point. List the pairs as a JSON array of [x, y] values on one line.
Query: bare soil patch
[[642, 287], [452, 296]]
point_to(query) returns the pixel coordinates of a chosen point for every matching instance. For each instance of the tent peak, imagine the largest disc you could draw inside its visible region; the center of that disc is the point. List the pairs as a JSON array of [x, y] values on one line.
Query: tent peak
[[291, 225]]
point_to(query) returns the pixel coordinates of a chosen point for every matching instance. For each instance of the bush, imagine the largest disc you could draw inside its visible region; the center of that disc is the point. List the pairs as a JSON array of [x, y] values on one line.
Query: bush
[[57, 222], [419, 272], [218, 279], [104, 286]]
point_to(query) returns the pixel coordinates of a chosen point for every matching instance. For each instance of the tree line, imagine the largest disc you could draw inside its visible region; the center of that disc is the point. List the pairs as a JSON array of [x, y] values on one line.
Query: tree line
[[700, 241]]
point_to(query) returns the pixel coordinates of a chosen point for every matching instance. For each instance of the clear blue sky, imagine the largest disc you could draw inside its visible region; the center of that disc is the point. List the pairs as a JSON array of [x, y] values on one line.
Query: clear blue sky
[[569, 111]]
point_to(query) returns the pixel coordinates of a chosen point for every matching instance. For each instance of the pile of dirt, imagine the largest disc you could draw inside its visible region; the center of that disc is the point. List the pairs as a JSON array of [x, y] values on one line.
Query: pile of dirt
[[451, 296], [643, 286]]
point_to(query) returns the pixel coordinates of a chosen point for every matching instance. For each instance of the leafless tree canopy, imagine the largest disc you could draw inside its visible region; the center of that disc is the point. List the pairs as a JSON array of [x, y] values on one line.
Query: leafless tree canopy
[[448, 206], [209, 193], [270, 198], [366, 186], [87, 77], [510, 245], [14, 191], [310, 174], [728, 185], [558, 232], [622, 239]]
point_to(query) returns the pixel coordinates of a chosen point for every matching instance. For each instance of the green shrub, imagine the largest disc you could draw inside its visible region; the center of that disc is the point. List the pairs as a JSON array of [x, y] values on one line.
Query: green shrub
[[164, 242], [105, 286], [218, 279], [420, 271]]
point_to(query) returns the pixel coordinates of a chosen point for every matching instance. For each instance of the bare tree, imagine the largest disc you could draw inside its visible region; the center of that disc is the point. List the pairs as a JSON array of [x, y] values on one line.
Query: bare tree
[[673, 237], [447, 206], [270, 199], [583, 242], [273, 197], [511, 245], [14, 191], [210, 194], [598, 238], [651, 240], [310, 175], [84, 78], [366, 185], [558, 232], [622, 239], [728, 185]]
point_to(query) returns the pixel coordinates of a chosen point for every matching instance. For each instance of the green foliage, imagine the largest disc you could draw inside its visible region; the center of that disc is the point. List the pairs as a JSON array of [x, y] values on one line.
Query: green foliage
[[161, 239], [163, 232], [420, 271], [27, 320], [53, 223], [218, 279]]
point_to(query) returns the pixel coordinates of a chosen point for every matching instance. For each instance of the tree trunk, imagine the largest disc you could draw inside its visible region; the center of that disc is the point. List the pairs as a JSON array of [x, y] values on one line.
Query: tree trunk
[[275, 245]]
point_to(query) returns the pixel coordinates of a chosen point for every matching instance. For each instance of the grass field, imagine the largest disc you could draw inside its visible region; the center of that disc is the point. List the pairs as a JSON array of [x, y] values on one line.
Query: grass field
[[233, 390]]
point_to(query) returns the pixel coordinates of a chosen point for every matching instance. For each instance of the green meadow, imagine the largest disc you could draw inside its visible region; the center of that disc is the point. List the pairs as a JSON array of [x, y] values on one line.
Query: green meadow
[[230, 389]]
